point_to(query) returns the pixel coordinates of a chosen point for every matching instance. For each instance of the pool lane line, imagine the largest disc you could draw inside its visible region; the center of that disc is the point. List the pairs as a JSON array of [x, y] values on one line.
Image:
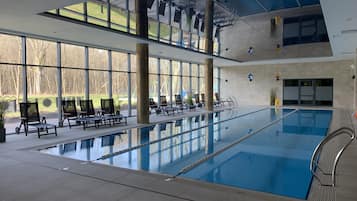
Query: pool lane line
[[204, 159], [172, 136]]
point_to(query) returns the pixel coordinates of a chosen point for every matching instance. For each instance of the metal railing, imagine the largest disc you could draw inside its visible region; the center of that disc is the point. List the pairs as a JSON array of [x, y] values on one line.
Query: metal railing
[[317, 152]]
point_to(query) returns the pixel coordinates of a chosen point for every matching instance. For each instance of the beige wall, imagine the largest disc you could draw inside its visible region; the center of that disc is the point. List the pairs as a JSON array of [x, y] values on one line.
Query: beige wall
[[235, 82], [255, 31]]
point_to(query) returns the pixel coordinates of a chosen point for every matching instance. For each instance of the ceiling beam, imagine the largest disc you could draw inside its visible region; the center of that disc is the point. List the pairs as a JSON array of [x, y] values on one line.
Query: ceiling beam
[[261, 5]]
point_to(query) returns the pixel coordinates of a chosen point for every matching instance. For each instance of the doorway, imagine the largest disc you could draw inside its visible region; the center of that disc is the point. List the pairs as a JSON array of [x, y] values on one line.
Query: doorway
[[308, 92]]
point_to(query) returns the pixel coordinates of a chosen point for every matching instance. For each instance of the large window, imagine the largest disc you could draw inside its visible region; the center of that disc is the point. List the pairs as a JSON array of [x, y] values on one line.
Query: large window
[[305, 29], [120, 79], [176, 79], [75, 11], [10, 74], [41, 78], [98, 75], [73, 78], [97, 13], [153, 79], [170, 78], [202, 80], [179, 30], [165, 78], [186, 87]]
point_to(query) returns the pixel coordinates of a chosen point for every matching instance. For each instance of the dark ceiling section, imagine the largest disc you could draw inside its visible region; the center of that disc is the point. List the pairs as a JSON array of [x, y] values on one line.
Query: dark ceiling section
[[251, 7], [225, 12]]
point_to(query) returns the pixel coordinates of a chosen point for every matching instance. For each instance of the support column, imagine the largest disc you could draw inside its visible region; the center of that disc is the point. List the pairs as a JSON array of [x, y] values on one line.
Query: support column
[[209, 51], [198, 79], [209, 134], [129, 85], [109, 8], [355, 82], [110, 74], [219, 81], [142, 62], [143, 155], [24, 70], [127, 16], [158, 20], [170, 19], [158, 79], [86, 77], [181, 79], [170, 83], [59, 85]]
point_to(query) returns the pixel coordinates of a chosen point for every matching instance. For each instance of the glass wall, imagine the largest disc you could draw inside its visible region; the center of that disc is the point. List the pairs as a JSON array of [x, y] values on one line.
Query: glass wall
[[73, 83], [120, 79], [102, 67], [10, 73], [179, 32], [98, 75], [41, 73], [153, 79]]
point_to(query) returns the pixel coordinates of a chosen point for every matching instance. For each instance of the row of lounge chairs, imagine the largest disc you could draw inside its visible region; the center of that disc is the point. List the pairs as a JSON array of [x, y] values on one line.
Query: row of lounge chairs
[[180, 105], [87, 116], [30, 116]]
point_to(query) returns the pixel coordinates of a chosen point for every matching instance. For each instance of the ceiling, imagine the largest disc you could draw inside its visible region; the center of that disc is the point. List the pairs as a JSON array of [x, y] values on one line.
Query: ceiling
[[21, 16], [341, 21], [251, 7], [25, 19]]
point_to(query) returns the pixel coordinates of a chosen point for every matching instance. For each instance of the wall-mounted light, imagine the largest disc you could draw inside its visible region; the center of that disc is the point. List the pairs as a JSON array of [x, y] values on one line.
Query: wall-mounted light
[[250, 50], [277, 76]]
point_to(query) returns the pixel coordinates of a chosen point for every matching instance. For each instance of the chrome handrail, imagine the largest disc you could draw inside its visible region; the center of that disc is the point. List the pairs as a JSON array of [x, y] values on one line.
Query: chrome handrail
[[313, 163]]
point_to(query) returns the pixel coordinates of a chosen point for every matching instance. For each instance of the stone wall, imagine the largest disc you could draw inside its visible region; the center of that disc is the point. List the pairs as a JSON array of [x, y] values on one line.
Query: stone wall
[[235, 82], [255, 31]]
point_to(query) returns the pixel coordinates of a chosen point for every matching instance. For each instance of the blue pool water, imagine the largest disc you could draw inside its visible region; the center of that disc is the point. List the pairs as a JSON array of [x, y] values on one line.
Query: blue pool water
[[274, 160]]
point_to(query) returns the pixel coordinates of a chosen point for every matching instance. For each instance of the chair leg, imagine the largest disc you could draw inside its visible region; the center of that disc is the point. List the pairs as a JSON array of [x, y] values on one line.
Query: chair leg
[[56, 130], [69, 123], [38, 133], [26, 128]]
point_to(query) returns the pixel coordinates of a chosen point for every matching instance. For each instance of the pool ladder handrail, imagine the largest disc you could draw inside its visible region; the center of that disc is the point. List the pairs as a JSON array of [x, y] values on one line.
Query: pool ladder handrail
[[314, 164]]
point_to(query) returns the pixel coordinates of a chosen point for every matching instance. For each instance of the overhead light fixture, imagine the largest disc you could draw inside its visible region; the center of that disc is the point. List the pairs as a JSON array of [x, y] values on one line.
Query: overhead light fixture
[[177, 16], [150, 3], [197, 22], [162, 8], [216, 34], [203, 26], [191, 12]]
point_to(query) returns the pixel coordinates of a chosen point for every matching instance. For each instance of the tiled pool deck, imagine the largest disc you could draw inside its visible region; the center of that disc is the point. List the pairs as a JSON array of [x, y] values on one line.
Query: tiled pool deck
[[26, 174]]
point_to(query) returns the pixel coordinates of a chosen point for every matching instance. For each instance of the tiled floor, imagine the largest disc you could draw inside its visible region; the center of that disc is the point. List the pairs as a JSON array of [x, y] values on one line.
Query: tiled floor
[[26, 174]]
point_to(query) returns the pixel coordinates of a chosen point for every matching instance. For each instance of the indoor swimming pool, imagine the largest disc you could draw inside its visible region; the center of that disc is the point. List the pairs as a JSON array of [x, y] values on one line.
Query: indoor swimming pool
[[265, 149]]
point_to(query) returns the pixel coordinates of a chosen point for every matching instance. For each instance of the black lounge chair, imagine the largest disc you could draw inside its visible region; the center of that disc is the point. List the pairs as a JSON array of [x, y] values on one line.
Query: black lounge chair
[[164, 106], [179, 103], [87, 114], [219, 100], [197, 100], [69, 111], [153, 106], [203, 99], [109, 114], [30, 116]]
